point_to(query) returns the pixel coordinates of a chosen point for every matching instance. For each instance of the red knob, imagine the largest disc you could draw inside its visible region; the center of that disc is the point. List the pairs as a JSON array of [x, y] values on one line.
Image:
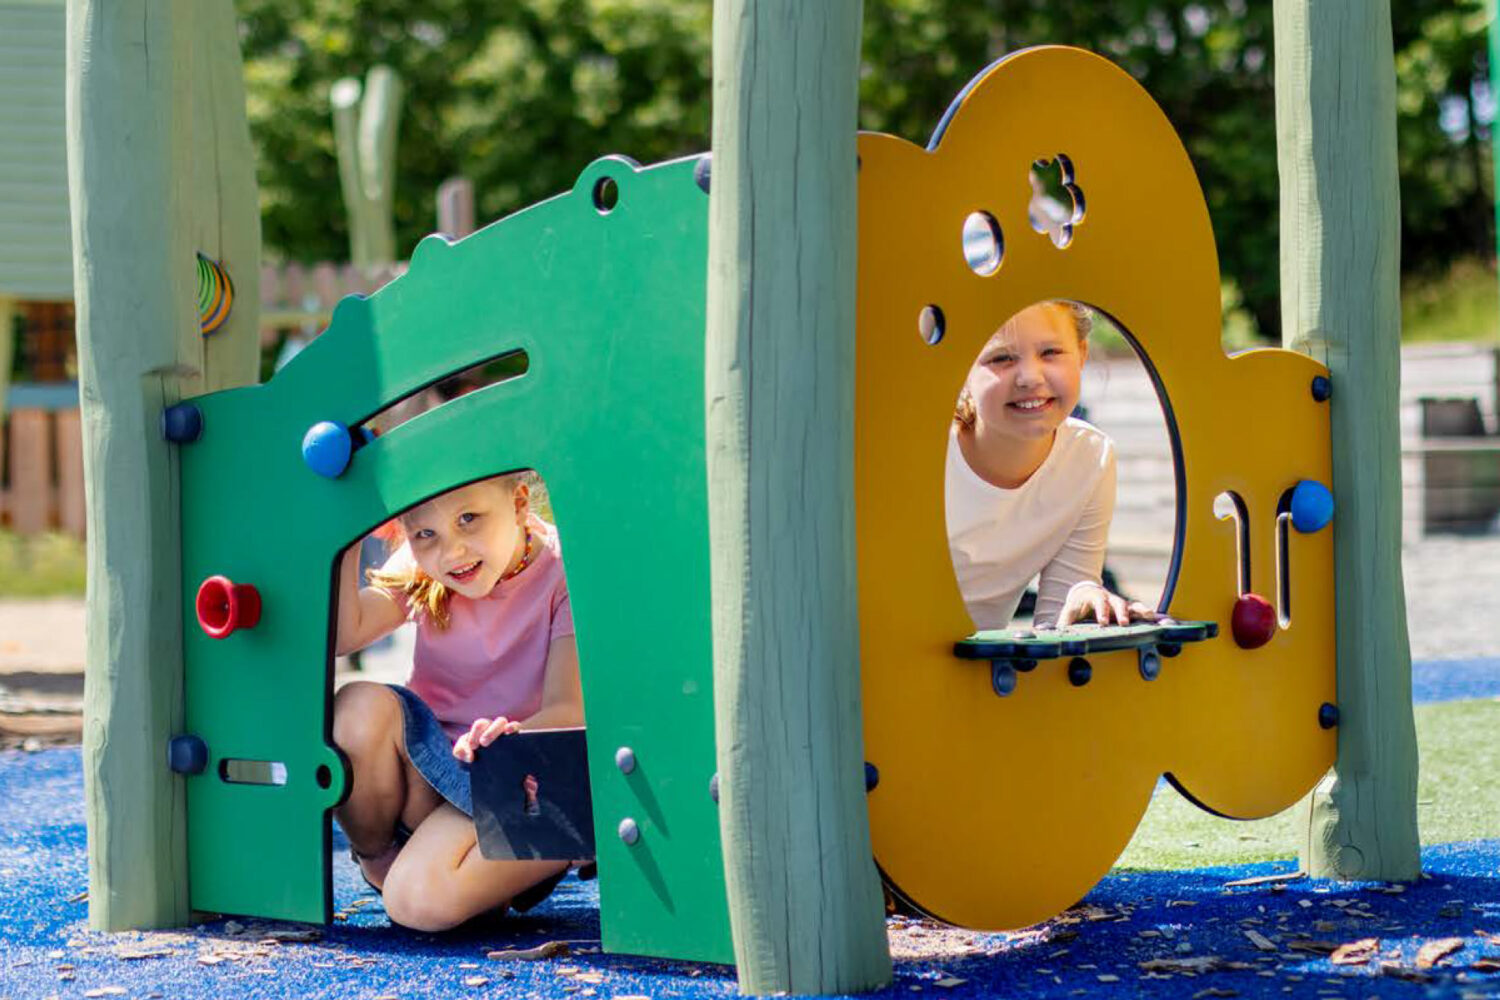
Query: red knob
[[224, 606], [1253, 622]]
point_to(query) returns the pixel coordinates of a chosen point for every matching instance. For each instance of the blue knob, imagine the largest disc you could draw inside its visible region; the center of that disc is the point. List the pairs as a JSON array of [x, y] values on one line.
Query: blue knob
[[187, 755], [181, 423], [326, 448], [1312, 506]]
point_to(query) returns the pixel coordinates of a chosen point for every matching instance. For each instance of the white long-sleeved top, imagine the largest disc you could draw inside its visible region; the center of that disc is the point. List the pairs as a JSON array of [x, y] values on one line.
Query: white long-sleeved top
[[1055, 524]]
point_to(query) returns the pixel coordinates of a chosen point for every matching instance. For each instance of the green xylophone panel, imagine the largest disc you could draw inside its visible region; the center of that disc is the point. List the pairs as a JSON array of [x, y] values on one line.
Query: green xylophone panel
[[608, 307]]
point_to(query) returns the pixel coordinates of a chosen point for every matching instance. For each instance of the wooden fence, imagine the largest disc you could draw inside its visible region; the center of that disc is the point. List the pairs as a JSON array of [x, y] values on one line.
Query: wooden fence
[[41, 453], [41, 434]]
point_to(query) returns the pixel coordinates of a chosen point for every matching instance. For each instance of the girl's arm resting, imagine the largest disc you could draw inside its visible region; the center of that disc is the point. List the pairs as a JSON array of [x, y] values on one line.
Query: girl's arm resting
[[562, 691], [365, 613], [1081, 558]]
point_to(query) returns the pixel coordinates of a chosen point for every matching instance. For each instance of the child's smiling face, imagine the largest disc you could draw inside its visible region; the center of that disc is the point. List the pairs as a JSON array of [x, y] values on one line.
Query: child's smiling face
[[469, 538], [1027, 378]]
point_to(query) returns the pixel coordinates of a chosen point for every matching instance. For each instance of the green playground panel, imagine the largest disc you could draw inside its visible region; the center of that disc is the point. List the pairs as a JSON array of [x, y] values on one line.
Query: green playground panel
[[609, 310]]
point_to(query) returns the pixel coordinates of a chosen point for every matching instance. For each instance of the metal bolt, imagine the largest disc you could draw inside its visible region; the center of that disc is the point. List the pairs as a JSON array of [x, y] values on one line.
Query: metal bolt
[[1150, 663], [628, 831], [1002, 677], [625, 760], [1080, 672]]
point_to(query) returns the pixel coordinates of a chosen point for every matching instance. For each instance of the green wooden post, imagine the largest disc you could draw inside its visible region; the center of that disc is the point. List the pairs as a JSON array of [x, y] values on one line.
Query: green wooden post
[[1340, 300], [1494, 36], [805, 902], [7, 349], [365, 124], [160, 168]]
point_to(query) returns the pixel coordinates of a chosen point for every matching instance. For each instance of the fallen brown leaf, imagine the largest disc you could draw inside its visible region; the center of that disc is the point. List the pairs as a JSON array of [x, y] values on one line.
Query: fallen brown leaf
[[1267, 879], [1355, 952], [1260, 941], [1433, 952], [1314, 947], [1194, 964], [1396, 971], [551, 949]]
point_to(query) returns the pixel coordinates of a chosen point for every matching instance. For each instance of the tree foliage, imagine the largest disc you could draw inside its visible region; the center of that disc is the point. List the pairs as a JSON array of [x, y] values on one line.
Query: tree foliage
[[519, 96]]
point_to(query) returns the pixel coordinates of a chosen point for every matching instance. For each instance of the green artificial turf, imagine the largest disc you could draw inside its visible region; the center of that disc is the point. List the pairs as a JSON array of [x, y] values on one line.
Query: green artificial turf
[[1458, 798], [49, 565]]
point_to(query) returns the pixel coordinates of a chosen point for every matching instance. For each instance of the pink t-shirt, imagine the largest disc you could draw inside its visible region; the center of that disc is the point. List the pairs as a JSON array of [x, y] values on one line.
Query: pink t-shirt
[[491, 660]]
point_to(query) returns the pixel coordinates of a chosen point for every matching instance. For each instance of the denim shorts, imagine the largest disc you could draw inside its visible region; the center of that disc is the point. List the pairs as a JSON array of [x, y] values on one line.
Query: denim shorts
[[431, 752]]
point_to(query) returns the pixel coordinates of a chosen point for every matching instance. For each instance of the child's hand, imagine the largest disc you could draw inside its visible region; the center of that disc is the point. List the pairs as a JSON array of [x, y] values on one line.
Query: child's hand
[[481, 734], [1107, 608]]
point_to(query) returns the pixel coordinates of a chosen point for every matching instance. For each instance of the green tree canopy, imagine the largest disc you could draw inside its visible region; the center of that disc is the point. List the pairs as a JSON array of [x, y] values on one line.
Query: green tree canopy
[[520, 96]]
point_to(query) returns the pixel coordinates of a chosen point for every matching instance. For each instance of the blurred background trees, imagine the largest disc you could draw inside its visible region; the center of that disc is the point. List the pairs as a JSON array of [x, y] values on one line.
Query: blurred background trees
[[519, 96]]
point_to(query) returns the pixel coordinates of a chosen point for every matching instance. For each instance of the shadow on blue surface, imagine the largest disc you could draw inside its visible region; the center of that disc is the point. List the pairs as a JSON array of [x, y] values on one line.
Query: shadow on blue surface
[[1172, 934]]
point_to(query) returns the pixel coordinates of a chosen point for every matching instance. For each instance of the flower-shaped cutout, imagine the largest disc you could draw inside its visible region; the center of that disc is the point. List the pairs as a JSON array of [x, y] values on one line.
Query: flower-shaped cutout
[[1057, 204]]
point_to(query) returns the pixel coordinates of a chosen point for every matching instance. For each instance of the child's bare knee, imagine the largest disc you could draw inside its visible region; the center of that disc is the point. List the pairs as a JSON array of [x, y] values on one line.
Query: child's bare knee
[[364, 713], [417, 904]]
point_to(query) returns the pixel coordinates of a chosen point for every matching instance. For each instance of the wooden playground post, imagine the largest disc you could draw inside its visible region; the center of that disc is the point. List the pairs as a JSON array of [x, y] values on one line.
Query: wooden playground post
[[160, 168], [1340, 301], [804, 898], [365, 124], [7, 348]]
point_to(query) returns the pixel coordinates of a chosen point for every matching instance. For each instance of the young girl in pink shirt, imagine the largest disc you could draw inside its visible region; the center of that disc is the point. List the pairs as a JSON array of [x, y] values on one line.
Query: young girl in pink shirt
[[482, 578]]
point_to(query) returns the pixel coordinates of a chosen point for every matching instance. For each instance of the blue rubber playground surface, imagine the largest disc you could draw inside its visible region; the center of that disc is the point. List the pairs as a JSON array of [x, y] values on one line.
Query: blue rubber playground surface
[[1183, 934]]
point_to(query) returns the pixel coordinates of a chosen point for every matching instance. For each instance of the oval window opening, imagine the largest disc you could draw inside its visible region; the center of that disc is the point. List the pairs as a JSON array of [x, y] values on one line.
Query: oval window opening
[[1061, 486], [984, 246]]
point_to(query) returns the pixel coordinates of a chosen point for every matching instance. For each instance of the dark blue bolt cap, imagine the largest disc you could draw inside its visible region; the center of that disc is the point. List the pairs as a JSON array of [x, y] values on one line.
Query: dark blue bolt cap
[[187, 755], [181, 423], [1080, 672]]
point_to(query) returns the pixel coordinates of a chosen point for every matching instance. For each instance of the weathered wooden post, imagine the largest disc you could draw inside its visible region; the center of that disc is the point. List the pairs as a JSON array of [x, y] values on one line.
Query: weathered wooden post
[[1340, 300], [365, 124], [160, 169], [7, 350], [805, 902], [455, 207]]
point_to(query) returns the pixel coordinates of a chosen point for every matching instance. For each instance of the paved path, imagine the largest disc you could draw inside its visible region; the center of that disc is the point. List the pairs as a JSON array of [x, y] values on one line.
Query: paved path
[[1452, 605]]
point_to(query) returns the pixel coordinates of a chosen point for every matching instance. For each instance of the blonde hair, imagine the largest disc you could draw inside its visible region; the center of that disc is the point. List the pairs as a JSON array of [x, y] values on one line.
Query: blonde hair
[[1083, 324], [424, 595]]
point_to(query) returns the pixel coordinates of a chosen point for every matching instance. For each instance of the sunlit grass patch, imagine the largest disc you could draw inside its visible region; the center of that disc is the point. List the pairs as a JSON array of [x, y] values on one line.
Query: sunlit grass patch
[[1458, 798], [47, 565]]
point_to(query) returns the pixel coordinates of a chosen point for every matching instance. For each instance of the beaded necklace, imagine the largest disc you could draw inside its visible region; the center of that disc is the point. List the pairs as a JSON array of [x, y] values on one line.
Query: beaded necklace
[[525, 557]]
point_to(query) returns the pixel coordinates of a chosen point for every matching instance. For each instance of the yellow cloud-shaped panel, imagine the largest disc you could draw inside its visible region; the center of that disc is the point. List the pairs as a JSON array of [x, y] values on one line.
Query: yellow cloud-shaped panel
[[999, 812]]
